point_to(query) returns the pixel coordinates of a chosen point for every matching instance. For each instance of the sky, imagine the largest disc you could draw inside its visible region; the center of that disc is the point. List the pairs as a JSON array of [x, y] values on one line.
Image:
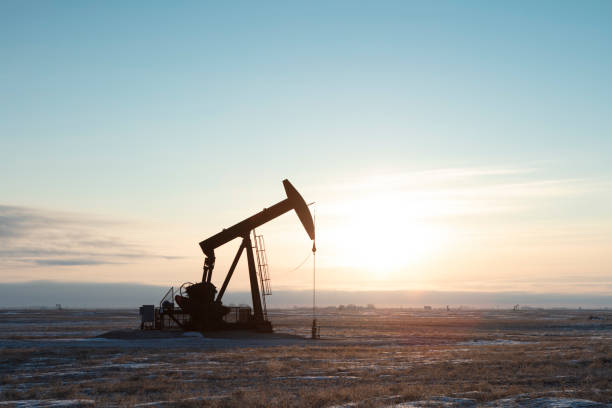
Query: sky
[[449, 145]]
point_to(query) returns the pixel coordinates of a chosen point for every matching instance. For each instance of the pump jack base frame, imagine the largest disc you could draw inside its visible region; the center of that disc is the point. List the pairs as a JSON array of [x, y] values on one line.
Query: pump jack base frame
[[206, 310]]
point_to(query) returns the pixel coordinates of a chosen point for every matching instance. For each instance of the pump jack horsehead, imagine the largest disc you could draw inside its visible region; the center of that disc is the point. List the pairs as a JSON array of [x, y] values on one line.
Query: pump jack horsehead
[[202, 302]]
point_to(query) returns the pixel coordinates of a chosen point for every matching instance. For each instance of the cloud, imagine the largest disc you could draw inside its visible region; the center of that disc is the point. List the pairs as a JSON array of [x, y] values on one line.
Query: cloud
[[430, 179], [450, 192], [14, 221], [70, 262], [30, 236]]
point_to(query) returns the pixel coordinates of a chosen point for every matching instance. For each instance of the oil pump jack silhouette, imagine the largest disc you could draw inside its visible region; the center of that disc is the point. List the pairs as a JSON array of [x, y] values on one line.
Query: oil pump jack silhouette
[[202, 302]]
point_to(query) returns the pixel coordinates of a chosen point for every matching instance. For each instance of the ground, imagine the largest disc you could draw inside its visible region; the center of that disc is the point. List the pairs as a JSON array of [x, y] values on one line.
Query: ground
[[366, 358]]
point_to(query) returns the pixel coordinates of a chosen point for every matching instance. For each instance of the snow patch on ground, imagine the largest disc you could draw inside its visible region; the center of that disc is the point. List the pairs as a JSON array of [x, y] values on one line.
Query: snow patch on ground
[[47, 403], [514, 402], [437, 402], [318, 377], [172, 403], [491, 342]]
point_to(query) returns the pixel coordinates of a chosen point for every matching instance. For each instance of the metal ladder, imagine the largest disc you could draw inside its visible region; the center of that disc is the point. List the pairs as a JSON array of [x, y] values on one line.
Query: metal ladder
[[262, 268]]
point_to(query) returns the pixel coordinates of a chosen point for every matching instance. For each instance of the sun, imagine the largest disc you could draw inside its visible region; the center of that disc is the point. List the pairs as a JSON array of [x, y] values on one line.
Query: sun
[[381, 234]]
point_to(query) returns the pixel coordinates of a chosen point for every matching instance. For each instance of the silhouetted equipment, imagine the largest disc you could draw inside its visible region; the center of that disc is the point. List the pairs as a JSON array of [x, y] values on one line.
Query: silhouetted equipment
[[315, 330], [147, 317], [202, 302]]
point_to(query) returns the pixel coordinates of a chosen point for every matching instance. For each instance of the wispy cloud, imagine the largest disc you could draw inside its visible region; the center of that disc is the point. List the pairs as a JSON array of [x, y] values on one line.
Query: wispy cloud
[[460, 191], [430, 179], [70, 262], [30, 236], [476, 217]]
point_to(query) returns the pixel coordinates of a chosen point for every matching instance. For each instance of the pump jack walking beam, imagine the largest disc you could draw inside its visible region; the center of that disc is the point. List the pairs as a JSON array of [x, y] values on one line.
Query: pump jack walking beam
[[294, 201]]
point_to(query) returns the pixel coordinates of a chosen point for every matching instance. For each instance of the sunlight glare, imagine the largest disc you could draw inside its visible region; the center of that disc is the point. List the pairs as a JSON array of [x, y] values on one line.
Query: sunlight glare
[[383, 234]]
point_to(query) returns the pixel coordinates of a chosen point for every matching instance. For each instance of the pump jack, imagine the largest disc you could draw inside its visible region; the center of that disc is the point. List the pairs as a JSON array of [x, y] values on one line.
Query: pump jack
[[202, 302]]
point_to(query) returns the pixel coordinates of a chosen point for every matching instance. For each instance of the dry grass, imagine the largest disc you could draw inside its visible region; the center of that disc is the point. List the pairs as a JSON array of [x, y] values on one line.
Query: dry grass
[[376, 360]]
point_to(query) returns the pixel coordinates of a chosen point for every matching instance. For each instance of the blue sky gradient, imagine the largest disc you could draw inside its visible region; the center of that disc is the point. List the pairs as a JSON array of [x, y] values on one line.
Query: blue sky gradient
[[190, 114]]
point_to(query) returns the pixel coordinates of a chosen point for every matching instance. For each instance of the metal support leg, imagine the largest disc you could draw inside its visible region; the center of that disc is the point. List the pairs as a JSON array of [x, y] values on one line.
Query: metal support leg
[[257, 310], [231, 271]]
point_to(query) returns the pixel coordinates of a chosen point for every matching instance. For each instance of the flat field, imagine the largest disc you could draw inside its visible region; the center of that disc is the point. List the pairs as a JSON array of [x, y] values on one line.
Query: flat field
[[367, 358]]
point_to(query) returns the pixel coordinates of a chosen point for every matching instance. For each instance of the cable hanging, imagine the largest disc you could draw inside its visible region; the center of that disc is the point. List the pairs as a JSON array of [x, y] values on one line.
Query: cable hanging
[[301, 263], [315, 326]]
